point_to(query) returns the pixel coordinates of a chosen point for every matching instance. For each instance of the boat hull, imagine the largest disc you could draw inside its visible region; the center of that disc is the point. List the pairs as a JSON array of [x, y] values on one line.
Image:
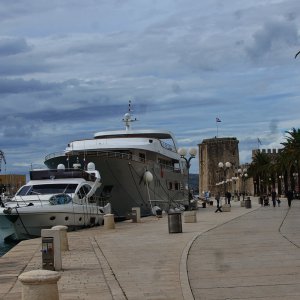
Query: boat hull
[[27, 222], [124, 185]]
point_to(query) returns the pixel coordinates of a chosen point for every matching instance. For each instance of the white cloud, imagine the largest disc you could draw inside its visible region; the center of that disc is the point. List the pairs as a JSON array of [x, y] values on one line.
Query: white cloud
[[182, 63]]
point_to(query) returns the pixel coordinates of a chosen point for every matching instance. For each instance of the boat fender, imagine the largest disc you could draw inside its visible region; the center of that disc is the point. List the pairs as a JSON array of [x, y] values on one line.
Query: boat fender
[[148, 177]]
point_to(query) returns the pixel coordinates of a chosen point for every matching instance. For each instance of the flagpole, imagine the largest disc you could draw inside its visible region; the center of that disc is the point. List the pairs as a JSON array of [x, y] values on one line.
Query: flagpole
[[217, 121]]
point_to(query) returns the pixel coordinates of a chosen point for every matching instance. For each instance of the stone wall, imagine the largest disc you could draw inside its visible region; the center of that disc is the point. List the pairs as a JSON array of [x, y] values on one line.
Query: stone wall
[[211, 152]]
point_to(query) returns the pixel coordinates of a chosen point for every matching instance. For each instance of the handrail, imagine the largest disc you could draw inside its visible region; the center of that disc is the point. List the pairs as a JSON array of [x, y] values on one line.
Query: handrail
[[54, 154], [111, 154]]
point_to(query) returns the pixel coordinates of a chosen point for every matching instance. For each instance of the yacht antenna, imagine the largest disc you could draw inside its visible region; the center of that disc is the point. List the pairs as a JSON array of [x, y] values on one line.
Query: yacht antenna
[[127, 117]]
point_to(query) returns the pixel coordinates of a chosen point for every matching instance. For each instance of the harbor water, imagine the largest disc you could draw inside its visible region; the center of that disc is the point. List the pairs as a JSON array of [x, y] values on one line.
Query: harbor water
[[5, 246]]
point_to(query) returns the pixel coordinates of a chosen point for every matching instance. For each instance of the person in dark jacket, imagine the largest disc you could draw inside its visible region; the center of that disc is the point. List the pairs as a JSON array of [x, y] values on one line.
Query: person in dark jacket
[[290, 197], [273, 195], [219, 205], [228, 196]]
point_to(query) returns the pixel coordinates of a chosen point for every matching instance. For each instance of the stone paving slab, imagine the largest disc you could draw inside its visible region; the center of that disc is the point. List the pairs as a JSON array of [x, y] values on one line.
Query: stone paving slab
[[255, 256], [143, 261]]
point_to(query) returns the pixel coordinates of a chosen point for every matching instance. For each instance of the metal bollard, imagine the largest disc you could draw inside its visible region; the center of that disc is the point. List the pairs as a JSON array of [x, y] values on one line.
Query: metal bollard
[[51, 249], [174, 222], [39, 284], [63, 236], [248, 203], [109, 221]]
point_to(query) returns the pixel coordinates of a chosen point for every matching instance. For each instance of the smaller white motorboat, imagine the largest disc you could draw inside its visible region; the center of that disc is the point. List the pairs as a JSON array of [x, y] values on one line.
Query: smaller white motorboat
[[54, 197]]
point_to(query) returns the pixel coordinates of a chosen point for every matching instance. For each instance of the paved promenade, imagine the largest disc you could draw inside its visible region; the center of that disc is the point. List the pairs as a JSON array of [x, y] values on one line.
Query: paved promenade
[[242, 254]]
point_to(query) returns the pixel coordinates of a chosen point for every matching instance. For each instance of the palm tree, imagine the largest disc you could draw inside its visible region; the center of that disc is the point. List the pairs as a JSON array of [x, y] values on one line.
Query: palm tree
[[292, 152], [260, 169], [281, 169]]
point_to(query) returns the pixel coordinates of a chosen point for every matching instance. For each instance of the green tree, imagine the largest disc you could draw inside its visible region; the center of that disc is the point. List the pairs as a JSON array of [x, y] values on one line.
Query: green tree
[[291, 151], [260, 170]]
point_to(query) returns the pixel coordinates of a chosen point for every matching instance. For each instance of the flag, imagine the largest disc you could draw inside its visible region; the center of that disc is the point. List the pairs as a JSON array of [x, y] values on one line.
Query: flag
[[258, 141], [218, 120]]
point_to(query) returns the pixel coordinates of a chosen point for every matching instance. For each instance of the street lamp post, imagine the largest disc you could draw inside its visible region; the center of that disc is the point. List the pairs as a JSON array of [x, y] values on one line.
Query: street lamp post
[[183, 153], [270, 185], [281, 177], [262, 190], [224, 167], [295, 175], [244, 175], [234, 183]]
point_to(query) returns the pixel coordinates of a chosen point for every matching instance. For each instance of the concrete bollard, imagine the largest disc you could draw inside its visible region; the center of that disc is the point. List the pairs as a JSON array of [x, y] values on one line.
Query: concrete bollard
[[109, 221], [39, 284], [190, 216], [136, 214], [64, 245], [243, 203]]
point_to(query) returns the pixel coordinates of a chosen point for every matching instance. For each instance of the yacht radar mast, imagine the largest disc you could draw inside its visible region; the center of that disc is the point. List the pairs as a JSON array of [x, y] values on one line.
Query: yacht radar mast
[[127, 117]]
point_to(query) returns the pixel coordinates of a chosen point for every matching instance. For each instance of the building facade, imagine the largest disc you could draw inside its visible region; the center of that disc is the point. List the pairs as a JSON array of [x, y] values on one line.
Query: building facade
[[211, 152], [10, 183]]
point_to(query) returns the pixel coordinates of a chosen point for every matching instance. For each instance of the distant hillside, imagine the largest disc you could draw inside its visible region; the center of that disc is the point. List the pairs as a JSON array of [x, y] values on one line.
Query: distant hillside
[[194, 182]]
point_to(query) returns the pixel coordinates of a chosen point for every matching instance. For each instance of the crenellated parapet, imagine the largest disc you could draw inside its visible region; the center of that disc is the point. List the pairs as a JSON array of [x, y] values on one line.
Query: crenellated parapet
[[271, 152]]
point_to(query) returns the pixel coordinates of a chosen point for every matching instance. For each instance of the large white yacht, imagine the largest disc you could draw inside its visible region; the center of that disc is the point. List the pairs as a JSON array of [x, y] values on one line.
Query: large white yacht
[[139, 168], [53, 197]]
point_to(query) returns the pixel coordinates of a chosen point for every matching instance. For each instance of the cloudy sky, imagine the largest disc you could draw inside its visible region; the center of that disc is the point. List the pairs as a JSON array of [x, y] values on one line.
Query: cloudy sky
[[68, 69]]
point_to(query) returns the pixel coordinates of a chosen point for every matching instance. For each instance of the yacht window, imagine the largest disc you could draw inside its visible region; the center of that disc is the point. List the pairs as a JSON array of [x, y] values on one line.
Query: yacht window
[[24, 190], [83, 191], [176, 166], [70, 188], [46, 189], [86, 188], [142, 157]]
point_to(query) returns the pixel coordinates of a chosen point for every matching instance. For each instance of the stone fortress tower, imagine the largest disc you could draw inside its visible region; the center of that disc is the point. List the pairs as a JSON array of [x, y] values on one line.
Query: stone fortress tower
[[211, 152]]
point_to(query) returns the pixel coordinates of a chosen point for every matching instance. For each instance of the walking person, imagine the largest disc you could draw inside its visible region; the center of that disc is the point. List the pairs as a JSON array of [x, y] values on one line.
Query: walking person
[[273, 195], [278, 201], [219, 204], [290, 196], [228, 198]]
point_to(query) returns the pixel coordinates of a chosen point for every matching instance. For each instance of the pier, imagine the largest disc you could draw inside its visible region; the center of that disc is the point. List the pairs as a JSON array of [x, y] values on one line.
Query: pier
[[247, 253]]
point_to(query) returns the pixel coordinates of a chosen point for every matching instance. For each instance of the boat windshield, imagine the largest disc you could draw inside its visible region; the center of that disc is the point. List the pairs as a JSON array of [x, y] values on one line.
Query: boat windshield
[[47, 189]]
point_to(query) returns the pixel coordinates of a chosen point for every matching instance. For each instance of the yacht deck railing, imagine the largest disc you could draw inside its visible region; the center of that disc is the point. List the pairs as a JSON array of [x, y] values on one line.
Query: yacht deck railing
[[109, 154]]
